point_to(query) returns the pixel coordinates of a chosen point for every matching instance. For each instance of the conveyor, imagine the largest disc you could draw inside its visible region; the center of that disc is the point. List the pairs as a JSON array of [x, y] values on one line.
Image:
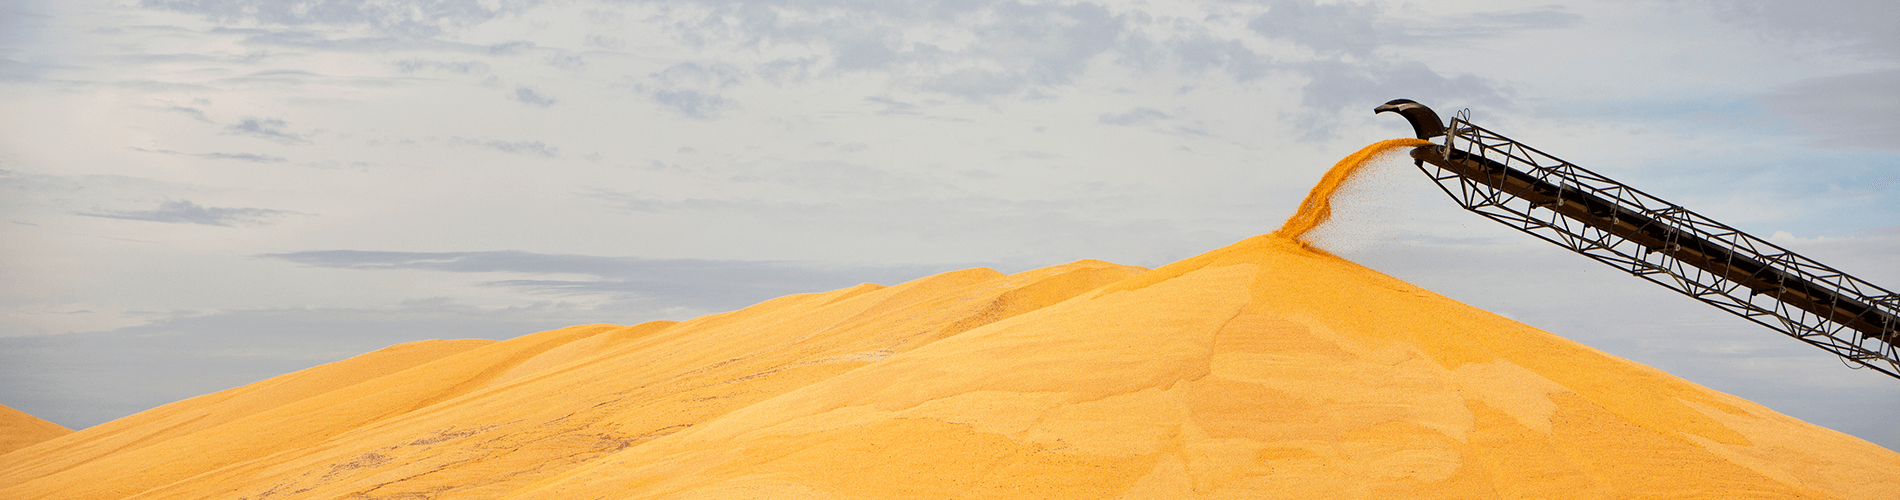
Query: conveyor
[[1662, 242]]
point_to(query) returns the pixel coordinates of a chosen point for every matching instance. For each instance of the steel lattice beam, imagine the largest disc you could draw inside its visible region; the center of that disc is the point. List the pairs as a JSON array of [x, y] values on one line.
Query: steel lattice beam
[[1612, 223]]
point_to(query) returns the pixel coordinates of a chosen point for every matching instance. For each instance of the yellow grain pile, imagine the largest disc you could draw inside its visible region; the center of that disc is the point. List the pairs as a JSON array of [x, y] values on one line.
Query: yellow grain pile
[[20, 430], [1266, 369]]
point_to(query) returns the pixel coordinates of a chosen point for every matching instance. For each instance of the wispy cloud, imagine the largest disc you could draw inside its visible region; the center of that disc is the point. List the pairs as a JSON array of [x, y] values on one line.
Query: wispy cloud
[[692, 89], [413, 18], [265, 128], [1016, 46], [530, 97], [713, 75], [1018, 49], [1354, 28], [691, 103], [249, 157], [893, 106], [457, 67], [1359, 29], [186, 212], [194, 113], [1137, 116], [1848, 111], [1862, 27], [1338, 84], [532, 148], [1200, 52], [698, 283]]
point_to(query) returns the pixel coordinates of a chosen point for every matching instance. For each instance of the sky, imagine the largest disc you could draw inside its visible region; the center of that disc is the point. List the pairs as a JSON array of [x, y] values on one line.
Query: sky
[[200, 194]]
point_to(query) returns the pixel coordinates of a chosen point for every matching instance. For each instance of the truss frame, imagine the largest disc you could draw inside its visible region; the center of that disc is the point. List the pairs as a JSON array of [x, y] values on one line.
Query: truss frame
[[1717, 285]]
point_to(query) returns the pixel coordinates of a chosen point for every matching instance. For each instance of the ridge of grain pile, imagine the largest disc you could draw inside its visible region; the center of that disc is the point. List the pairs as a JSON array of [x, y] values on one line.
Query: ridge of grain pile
[[20, 429]]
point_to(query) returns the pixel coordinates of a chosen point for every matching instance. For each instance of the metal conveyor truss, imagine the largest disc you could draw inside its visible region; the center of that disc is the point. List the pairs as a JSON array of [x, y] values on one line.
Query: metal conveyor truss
[[1605, 220]]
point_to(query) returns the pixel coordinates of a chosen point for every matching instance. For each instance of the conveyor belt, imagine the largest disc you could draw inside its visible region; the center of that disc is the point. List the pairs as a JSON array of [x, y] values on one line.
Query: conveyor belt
[[1605, 220]]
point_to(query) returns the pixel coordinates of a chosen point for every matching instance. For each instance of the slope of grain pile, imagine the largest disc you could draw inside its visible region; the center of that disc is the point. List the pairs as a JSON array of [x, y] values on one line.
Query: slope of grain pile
[[481, 419], [19, 430], [1262, 370], [1266, 369]]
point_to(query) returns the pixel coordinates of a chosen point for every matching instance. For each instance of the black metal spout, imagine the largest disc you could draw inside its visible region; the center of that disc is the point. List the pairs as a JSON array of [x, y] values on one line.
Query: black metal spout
[[1424, 121]]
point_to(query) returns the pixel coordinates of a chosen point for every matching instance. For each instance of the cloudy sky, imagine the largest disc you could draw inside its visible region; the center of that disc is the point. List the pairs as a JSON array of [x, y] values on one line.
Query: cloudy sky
[[198, 194]]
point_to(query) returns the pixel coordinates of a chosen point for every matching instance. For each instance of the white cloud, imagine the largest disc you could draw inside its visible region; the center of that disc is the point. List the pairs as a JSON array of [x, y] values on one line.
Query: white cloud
[[245, 157], [1865, 26], [266, 128], [531, 148], [707, 285], [457, 67], [186, 212], [416, 18], [691, 103], [530, 97], [1856, 111], [1137, 116]]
